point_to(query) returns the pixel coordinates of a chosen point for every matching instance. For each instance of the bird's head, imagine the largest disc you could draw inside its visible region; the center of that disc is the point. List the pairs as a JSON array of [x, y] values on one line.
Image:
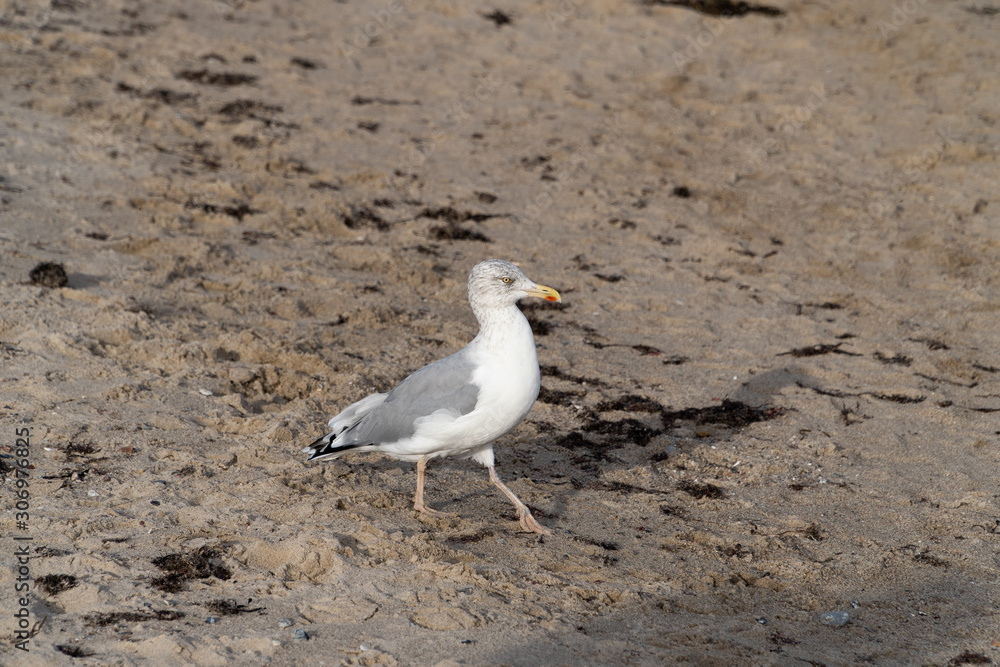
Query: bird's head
[[499, 284]]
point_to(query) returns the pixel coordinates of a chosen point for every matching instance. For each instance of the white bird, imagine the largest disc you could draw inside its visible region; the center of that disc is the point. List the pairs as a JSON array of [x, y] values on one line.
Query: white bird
[[456, 406]]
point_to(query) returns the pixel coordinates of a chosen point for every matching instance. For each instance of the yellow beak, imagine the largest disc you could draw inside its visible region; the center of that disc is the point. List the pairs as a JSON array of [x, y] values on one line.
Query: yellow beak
[[543, 292]]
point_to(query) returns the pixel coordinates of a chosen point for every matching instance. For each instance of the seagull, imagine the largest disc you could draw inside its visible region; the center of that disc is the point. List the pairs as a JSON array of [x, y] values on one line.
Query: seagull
[[459, 405]]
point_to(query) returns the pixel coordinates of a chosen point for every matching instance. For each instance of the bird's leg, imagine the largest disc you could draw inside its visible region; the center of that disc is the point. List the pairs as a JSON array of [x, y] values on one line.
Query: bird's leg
[[418, 499], [527, 521]]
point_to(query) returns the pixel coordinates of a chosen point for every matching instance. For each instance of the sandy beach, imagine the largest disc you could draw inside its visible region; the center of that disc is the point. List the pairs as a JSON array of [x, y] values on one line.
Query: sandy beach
[[768, 428]]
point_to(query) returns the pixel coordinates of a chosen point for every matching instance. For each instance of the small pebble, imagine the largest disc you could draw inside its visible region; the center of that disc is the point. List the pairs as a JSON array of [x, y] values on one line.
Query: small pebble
[[762, 620], [92, 493], [285, 623], [855, 604], [211, 620], [836, 619], [300, 635], [204, 392]]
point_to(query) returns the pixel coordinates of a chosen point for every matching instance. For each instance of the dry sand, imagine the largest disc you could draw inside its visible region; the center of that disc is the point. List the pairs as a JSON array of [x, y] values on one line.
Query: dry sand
[[279, 203]]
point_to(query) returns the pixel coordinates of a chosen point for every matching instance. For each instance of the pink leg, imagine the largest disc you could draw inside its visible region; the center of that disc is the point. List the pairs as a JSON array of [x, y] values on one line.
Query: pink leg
[[418, 500], [527, 521]]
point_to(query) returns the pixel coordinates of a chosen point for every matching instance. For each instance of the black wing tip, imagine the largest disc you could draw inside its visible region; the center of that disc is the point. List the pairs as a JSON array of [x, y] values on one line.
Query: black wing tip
[[324, 447], [319, 447]]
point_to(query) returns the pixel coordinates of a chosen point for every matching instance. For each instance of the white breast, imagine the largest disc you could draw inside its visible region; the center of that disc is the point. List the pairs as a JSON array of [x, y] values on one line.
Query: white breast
[[507, 376]]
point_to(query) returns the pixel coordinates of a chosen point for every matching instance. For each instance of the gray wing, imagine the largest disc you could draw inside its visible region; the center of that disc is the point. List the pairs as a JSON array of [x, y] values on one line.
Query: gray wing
[[446, 383]]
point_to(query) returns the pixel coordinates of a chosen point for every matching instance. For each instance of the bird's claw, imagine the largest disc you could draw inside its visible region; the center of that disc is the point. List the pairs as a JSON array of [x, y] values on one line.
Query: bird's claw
[[530, 525], [428, 511]]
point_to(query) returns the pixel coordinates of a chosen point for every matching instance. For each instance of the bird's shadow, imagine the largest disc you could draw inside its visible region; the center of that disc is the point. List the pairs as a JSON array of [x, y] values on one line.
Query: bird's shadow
[[591, 449]]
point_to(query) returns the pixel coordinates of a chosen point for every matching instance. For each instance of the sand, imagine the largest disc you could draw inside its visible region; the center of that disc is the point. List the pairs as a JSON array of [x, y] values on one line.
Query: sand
[[771, 391]]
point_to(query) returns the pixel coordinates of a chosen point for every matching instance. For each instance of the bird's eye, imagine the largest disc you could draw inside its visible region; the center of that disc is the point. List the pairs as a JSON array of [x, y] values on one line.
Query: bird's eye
[[506, 280]]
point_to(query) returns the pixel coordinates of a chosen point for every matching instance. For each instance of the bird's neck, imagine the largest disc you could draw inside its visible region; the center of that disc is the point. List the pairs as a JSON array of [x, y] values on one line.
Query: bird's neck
[[503, 329]]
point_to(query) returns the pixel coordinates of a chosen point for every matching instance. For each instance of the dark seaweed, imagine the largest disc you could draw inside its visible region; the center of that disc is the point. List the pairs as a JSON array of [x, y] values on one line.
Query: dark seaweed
[[929, 559], [363, 217], [931, 343], [628, 430], [720, 7], [631, 403], [202, 564], [205, 77], [607, 545], [239, 211], [734, 414], [49, 274], [54, 584], [453, 216], [231, 607], [554, 372], [243, 109], [111, 618], [304, 63], [897, 359], [498, 18], [815, 350], [452, 232], [700, 491]]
